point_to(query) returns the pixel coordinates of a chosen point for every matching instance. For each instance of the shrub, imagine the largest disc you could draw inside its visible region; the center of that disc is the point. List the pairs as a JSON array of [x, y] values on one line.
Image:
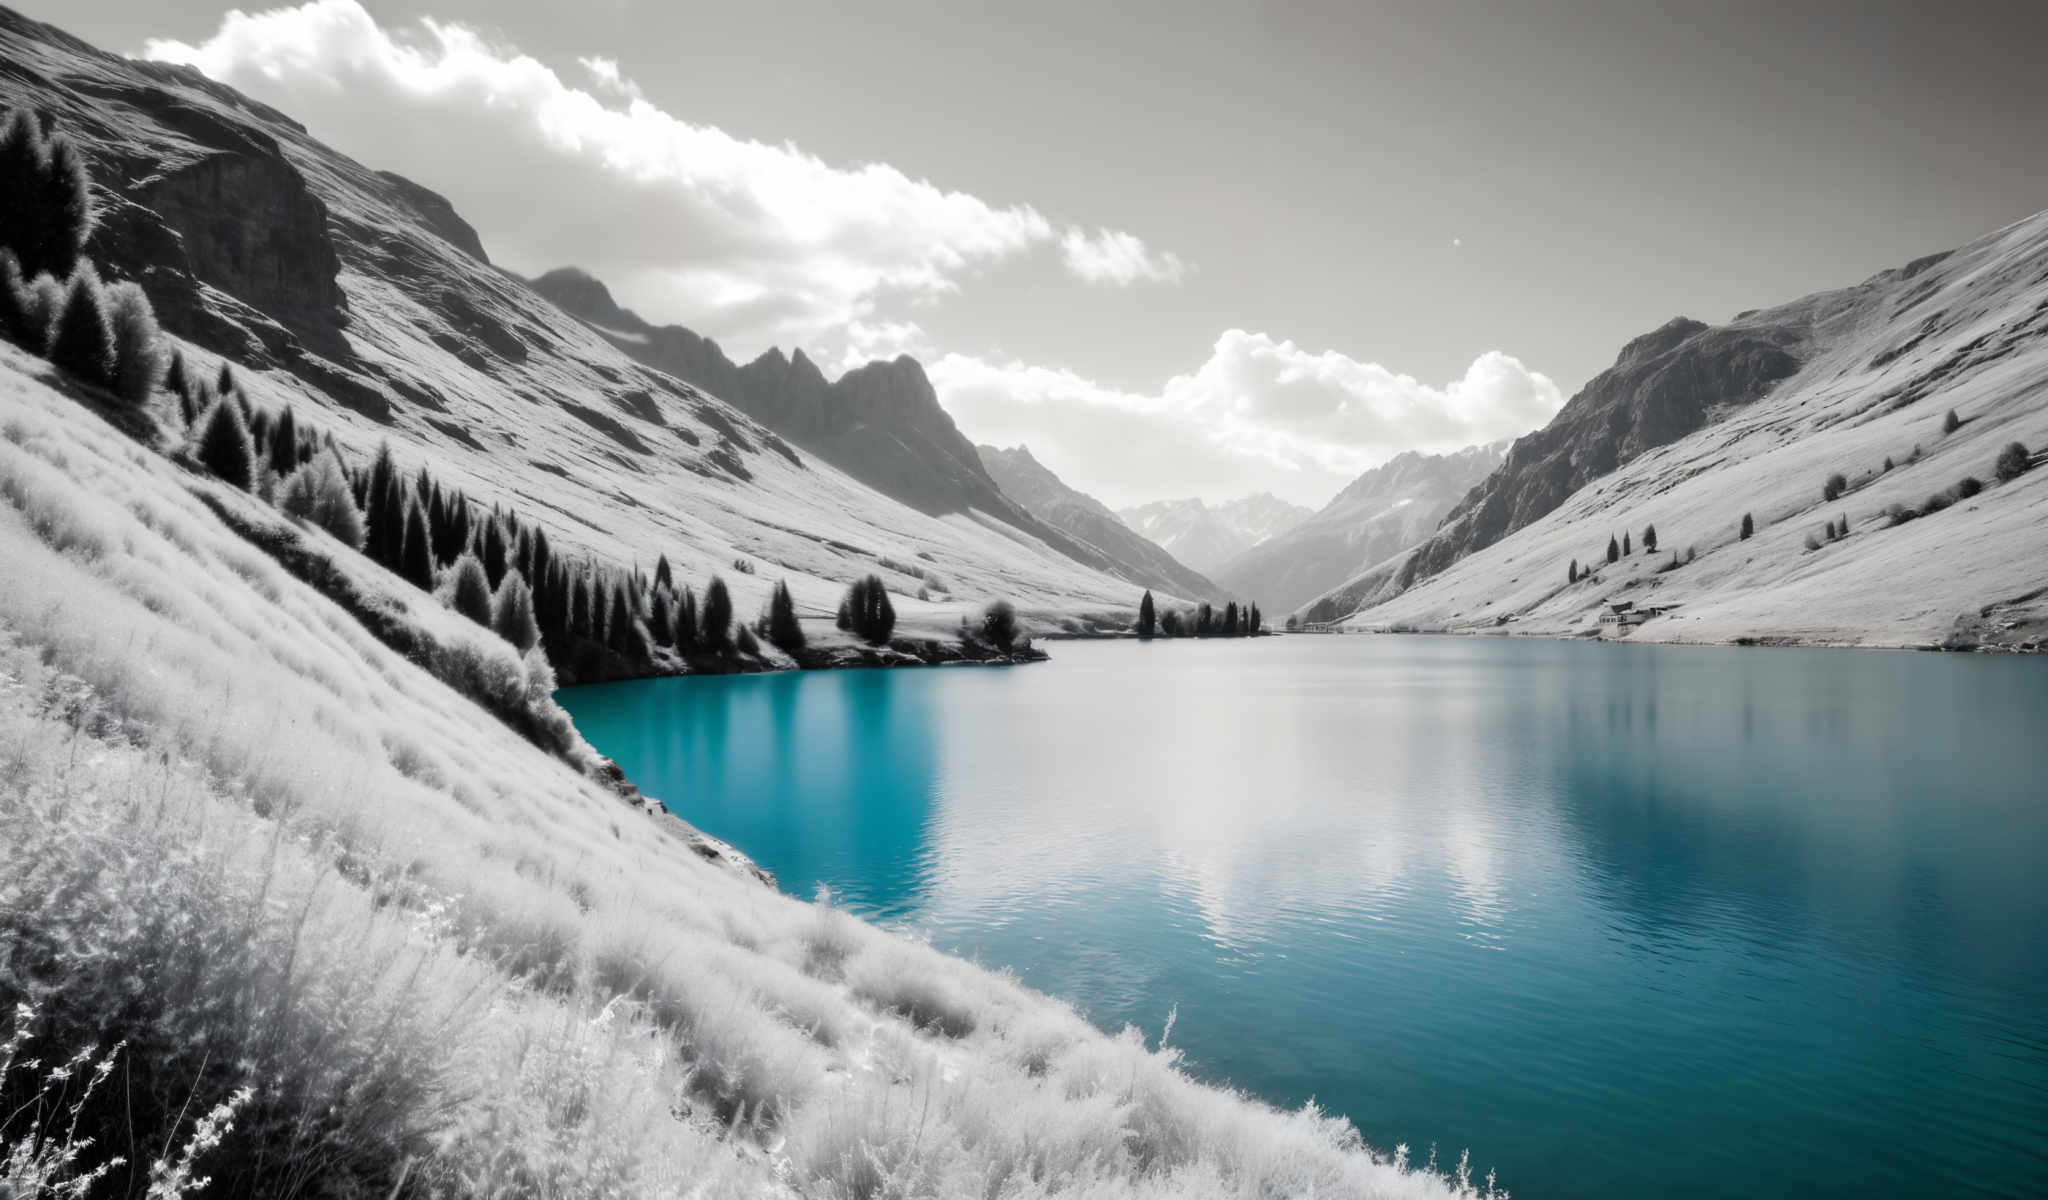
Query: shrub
[[1748, 528], [784, 630], [318, 493], [999, 626], [469, 592], [1887, 462], [1571, 573], [1834, 487], [512, 612], [1968, 486], [137, 361], [224, 447], [2013, 462], [82, 338], [1812, 542], [1950, 422], [1936, 503]]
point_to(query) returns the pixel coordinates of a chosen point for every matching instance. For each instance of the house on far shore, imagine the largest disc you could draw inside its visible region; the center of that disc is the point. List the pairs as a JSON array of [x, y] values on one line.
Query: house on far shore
[[1623, 616]]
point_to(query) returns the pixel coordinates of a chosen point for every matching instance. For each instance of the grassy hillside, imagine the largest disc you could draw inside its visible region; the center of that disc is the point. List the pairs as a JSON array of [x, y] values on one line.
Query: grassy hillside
[[1927, 557], [284, 876]]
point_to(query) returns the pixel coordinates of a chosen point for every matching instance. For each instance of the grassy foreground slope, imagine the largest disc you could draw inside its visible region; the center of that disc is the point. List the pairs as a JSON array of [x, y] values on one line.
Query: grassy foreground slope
[[413, 954]]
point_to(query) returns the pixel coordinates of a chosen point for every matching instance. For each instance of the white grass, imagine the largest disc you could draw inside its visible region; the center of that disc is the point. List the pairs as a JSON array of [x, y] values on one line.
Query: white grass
[[239, 832]]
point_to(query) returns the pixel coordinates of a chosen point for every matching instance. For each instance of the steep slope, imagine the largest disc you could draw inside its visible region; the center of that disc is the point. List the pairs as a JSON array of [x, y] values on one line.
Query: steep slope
[[1881, 365], [880, 423], [1381, 513], [290, 871], [366, 302], [1086, 519], [1205, 538]]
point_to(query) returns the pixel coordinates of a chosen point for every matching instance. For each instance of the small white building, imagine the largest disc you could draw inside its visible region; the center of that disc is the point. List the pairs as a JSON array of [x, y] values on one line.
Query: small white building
[[1623, 616]]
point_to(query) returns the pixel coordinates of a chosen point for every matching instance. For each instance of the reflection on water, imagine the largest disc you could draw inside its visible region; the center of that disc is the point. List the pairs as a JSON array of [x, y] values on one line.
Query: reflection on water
[[1701, 921]]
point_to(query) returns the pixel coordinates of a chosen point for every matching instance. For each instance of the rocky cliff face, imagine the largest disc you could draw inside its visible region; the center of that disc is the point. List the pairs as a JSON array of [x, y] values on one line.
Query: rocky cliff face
[[1664, 385], [880, 423], [1126, 552], [1381, 513], [1204, 537]]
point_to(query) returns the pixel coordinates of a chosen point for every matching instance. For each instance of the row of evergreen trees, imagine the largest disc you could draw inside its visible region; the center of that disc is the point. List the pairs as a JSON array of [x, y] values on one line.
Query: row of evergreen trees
[[52, 302], [1204, 620]]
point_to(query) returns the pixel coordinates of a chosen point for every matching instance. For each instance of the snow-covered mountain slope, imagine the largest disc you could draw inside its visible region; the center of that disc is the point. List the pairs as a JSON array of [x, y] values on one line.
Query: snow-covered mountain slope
[[1879, 367], [1384, 511], [1205, 538], [1128, 553], [366, 302]]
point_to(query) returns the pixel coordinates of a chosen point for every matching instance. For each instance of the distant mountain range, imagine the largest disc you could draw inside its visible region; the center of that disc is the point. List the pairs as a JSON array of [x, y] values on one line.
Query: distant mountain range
[[1083, 517], [1204, 537], [1381, 513]]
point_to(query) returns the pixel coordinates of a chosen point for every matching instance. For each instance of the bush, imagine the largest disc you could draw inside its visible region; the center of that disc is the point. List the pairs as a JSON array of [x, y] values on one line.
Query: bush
[[1834, 487], [1748, 528], [224, 447], [2013, 462], [1936, 503], [82, 338], [469, 590], [1950, 422], [137, 361], [1968, 486], [318, 493]]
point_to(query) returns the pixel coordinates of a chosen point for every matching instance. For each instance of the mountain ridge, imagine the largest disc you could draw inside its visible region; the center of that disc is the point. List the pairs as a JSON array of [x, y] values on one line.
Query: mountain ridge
[[1136, 557], [1205, 536]]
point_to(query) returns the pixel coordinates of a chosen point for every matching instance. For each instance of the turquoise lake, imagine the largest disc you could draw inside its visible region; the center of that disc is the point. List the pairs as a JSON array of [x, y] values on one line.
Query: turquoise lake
[[1620, 919]]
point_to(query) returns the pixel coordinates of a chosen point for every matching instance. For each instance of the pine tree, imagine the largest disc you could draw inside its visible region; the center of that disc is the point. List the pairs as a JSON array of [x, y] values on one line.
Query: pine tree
[[224, 447], [1748, 528], [1230, 619], [714, 627], [175, 380], [1650, 538], [379, 488], [543, 554], [621, 634], [1613, 549], [1571, 573], [1950, 422], [662, 576], [138, 363], [1254, 622], [23, 160], [512, 612], [225, 385], [417, 559], [579, 607], [686, 621], [284, 443], [65, 197], [470, 593], [318, 492], [1626, 549], [453, 534], [17, 325], [82, 339], [600, 608], [1148, 616], [785, 632]]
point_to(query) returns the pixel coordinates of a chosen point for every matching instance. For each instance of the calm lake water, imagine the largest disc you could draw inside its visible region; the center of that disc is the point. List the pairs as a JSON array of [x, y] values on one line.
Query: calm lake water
[[1621, 919]]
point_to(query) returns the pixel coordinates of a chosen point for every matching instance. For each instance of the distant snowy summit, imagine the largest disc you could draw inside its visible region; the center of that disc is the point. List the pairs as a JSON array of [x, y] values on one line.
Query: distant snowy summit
[[1130, 554], [1204, 537]]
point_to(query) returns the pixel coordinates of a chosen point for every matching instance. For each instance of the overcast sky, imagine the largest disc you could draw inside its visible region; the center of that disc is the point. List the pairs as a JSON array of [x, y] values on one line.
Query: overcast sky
[[1176, 251]]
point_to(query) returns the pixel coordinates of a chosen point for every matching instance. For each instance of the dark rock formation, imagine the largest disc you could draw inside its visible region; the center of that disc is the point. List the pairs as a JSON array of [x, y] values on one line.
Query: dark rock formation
[[439, 215], [1664, 385], [1129, 554]]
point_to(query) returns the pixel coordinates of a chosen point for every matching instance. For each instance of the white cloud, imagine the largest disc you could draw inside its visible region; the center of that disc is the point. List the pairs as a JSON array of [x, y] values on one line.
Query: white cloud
[[1109, 256], [1257, 415], [740, 239]]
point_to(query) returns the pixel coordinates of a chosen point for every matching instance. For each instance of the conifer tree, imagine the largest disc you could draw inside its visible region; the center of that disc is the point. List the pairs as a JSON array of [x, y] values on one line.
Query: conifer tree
[[417, 560], [318, 492], [225, 385], [23, 161], [661, 617], [453, 534], [512, 613], [1571, 573], [138, 363], [662, 576], [746, 643], [1613, 549], [686, 620], [785, 632], [65, 197], [175, 380], [579, 607], [284, 443], [495, 550], [16, 324], [469, 593], [1650, 538], [1626, 549], [1950, 422], [378, 491], [82, 339], [600, 608], [1253, 621], [224, 447], [543, 554], [1148, 617], [1748, 528], [714, 629], [620, 632], [1230, 619]]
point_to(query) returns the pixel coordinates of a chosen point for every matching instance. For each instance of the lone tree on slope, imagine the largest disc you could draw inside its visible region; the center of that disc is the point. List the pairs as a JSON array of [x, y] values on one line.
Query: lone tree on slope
[[224, 446], [1748, 527], [785, 633], [1650, 538], [1148, 617], [1613, 549]]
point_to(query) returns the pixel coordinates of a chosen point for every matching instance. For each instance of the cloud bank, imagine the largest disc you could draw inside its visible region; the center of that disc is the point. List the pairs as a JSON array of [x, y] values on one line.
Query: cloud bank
[[751, 242], [1256, 415]]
